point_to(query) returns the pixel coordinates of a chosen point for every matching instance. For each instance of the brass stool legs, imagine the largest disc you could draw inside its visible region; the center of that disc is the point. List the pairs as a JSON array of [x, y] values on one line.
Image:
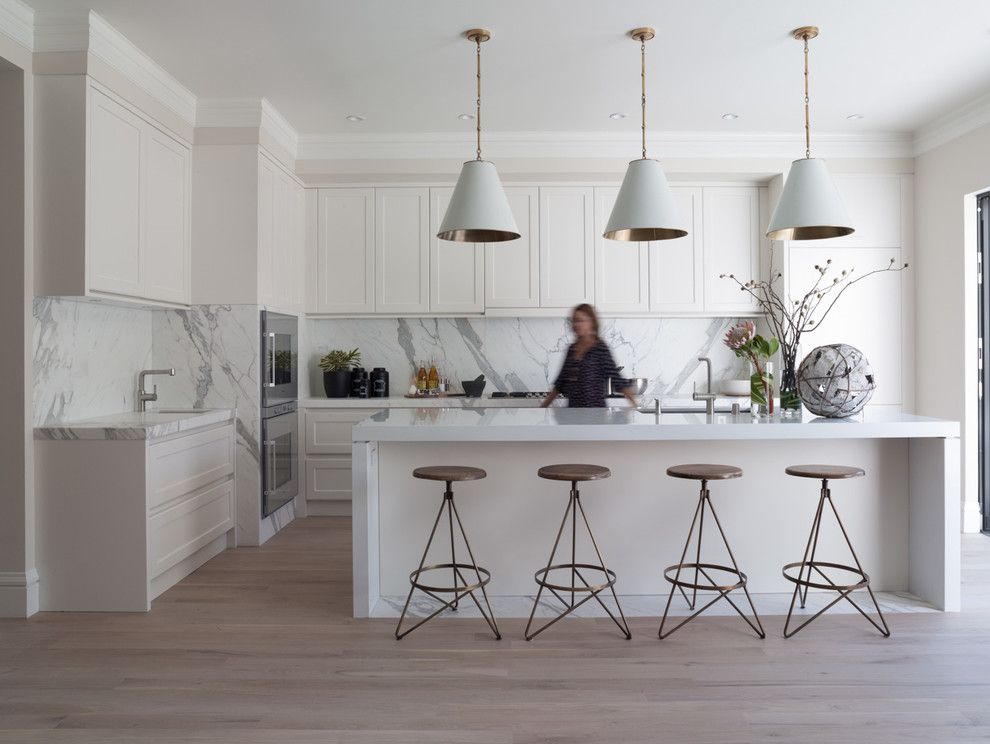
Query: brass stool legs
[[676, 583], [461, 588], [590, 590], [802, 583]]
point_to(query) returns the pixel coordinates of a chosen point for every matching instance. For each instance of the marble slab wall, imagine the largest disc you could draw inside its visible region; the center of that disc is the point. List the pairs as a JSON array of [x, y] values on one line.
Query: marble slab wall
[[525, 353], [87, 356], [215, 350]]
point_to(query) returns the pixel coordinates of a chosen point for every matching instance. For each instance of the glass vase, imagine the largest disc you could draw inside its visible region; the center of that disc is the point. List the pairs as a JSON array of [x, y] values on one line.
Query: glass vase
[[761, 390], [790, 402]]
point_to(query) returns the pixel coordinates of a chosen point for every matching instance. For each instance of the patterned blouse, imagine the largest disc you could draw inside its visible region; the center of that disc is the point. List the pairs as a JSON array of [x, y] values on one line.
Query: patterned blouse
[[582, 381]]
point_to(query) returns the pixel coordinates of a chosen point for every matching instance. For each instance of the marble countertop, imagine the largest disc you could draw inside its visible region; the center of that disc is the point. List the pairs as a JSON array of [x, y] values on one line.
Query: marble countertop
[[721, 403], [136, 425], [624, 424]]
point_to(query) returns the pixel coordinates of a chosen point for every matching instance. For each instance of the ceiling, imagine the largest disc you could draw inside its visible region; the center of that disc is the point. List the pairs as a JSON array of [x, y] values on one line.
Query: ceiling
[[565, 65]]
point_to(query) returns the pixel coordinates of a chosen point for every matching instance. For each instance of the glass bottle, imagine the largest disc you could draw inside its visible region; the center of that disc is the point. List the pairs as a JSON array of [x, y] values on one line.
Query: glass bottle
[[432, 379], [421, 379]]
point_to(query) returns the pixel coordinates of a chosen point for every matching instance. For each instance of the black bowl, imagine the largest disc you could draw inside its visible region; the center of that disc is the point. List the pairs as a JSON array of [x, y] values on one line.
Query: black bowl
[[472, 388]]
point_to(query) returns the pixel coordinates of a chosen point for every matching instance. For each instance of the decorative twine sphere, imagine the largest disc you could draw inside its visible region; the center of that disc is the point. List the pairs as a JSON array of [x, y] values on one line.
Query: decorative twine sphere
[[835, 381]]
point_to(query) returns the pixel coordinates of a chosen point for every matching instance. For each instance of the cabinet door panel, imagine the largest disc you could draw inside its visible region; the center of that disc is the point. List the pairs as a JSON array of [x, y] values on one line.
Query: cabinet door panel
[[166, 232], [115, 200], [267, 189], [283, 243], [676, 275], [622, 282], [512, 268], [345, 263], [402, 250], [457, 270], [566, 246], [732, 242]]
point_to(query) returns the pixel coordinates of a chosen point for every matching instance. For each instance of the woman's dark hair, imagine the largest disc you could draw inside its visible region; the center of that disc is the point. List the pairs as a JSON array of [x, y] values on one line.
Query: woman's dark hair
[[588, 310]]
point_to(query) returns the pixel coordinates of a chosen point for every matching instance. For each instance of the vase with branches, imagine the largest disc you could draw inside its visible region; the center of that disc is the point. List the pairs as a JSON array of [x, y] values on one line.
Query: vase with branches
[[790, 317]]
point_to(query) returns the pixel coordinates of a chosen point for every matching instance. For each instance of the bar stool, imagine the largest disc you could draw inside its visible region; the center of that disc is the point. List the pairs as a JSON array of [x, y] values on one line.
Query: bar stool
[[826, 473], [574, 474], [460, 588], [705, 473]]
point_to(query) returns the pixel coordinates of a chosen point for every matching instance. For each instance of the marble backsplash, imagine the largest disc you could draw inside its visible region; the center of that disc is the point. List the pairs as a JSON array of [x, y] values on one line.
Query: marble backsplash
[[524, 353], [87, 356]]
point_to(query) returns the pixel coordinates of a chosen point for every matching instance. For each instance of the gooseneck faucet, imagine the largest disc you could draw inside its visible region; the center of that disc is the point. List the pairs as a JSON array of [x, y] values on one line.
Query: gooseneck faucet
[[142, 396], [708, 397]]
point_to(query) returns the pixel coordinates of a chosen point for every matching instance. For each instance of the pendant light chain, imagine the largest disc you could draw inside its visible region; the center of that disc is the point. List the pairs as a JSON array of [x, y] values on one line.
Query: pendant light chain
[[642, 57], [477, 102], [807, 99]]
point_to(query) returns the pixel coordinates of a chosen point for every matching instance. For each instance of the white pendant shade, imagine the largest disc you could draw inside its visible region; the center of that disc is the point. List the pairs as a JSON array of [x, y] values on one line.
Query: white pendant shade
[[810, 207], [478, 211], [645, 208]]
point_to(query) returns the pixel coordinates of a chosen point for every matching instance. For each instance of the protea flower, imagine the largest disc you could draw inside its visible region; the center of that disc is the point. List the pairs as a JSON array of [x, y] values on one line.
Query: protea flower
[[740, 334]]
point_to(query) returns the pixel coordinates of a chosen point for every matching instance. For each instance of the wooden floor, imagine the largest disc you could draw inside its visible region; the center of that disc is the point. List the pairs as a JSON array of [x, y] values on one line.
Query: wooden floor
[[259, 646]]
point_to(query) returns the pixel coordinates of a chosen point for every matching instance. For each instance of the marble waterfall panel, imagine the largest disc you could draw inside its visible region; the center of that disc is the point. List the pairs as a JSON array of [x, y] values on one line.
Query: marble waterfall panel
[[215, 350], [87, 356], [525, 353]]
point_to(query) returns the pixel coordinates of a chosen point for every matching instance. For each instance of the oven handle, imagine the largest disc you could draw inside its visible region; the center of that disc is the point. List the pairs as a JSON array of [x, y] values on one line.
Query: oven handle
[[271, 360], [269, 445]]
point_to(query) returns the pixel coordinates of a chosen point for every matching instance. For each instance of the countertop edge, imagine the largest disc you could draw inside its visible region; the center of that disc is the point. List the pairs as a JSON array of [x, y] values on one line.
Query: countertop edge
[[103, 427]]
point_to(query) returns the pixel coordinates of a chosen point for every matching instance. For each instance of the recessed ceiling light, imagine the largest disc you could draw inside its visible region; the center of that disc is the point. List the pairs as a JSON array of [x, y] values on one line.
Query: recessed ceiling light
[[854, 117], [617, 115], [465, 117], [354, 117], [730, 117]]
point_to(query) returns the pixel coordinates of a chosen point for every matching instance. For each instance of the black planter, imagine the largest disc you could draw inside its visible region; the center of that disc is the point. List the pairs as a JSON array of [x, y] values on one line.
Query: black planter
[[337, 384]]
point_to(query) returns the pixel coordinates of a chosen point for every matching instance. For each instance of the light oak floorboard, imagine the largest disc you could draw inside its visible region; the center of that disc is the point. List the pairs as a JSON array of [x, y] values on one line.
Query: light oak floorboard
[[259, 646]]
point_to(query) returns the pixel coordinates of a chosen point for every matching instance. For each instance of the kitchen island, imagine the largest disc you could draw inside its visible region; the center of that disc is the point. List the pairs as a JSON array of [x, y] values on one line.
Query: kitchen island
[[903, 517]]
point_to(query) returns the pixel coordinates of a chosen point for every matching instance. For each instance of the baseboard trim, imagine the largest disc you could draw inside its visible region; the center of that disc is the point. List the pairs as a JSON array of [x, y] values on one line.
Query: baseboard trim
[[172, 576], [328, 508], [18, 593]]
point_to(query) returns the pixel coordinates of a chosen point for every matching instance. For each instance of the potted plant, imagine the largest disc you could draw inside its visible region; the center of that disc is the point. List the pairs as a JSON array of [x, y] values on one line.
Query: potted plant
[[743, 339], [336, 365]]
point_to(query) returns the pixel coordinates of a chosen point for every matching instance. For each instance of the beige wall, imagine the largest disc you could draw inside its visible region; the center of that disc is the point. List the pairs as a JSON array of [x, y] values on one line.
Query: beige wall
[[18, 578], [946, 178]]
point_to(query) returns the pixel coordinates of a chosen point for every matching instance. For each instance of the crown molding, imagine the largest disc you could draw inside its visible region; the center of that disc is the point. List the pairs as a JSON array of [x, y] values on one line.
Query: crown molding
[[70, 31], [248, 113], [439, 145], [952, 125], [17, 22]]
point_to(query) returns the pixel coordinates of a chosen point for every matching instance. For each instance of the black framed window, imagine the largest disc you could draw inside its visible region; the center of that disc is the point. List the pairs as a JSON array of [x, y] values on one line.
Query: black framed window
[[983, 257]]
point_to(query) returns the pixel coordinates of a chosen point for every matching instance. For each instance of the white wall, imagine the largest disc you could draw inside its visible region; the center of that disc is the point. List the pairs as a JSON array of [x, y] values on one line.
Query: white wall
[[946, 178]]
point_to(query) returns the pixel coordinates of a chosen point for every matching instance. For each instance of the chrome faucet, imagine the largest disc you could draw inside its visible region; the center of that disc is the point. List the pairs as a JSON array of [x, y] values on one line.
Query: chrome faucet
[[708, 397], [142, 396]]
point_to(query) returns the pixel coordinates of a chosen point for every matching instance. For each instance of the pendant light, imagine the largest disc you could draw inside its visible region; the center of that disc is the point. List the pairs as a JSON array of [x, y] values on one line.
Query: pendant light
[[478, 211], [810, 207], [645, 208]]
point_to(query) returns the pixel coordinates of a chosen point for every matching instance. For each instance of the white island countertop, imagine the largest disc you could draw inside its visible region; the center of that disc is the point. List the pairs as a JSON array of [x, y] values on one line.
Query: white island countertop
[[136, 424], [625, 424]]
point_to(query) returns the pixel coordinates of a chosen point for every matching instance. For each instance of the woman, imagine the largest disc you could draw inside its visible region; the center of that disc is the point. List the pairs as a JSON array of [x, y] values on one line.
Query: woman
[[587, 366]]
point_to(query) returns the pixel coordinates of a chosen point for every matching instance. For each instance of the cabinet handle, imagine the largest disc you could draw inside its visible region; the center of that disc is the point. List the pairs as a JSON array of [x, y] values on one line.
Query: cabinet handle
[[271, 360], [269, 446]]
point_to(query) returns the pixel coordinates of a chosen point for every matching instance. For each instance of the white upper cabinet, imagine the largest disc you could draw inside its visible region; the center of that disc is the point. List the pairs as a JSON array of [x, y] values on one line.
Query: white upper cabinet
[[512, 267], [874, 204], [113, 204], [676, 266], [457, 270], [622, 269], [280, 244], [266, 230], [402, 250], [167, 237], [114, 197], [345, 260], [732, 238], [567, 246]]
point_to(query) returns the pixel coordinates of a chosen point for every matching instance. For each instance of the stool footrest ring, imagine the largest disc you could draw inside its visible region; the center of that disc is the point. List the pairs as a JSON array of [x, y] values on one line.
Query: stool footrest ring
[[542, 575], [817, 566], [670, 572], [486, 576]]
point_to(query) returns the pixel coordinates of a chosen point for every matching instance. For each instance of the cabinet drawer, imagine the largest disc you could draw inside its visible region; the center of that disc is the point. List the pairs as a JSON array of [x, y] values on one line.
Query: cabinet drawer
[[329, 432], [175, 533], [183, 465], [328, 478]]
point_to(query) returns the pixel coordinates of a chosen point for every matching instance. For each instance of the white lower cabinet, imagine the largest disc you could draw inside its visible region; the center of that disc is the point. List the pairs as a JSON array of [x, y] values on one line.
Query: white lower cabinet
[[327, 447], [121, 521]]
